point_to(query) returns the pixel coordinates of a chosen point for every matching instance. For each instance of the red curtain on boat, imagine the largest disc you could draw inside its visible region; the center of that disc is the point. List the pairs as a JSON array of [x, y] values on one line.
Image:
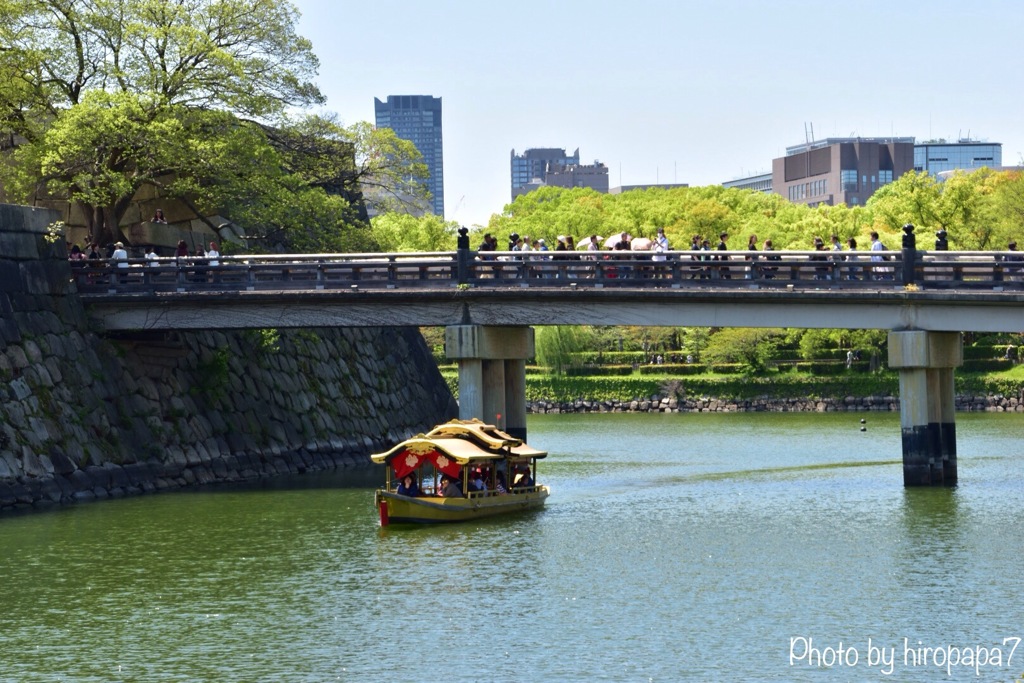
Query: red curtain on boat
[[407, 461]]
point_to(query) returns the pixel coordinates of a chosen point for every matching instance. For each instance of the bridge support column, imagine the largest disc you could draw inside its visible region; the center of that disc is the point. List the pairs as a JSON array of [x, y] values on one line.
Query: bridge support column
[[926, 362], [492, 373]]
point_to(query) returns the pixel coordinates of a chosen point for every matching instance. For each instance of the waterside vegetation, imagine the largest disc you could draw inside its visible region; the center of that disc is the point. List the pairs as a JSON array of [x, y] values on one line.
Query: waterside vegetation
[[624, 364]]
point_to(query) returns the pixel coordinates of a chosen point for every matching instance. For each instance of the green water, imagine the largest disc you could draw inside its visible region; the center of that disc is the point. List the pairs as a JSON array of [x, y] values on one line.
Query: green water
[[673, 547]]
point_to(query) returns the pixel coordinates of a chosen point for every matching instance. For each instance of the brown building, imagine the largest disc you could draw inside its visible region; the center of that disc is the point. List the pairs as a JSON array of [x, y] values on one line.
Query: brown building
[[840, 170]]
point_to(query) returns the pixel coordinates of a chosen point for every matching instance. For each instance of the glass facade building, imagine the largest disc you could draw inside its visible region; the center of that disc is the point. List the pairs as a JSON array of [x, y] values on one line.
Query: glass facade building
[[533, 165], [936, 156], [417, 118]]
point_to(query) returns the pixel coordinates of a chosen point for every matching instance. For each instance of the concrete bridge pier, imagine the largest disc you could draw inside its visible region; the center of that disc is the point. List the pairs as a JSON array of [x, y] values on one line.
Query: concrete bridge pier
[[926, 361], [492, 373]]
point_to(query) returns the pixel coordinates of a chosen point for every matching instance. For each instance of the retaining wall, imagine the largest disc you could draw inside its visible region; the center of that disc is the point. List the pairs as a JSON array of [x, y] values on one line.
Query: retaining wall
[[84, 416], [665, 404]]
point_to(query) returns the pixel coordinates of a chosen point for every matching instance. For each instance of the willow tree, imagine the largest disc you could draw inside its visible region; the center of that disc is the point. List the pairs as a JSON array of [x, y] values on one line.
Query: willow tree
[[102, 97], [556, 345]]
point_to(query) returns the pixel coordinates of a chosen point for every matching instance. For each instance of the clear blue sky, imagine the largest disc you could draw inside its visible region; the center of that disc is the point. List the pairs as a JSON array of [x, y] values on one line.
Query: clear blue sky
[[694, 92]]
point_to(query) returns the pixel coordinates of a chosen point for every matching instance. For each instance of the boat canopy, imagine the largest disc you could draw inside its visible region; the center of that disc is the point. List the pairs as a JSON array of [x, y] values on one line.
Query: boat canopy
[[453, 445]]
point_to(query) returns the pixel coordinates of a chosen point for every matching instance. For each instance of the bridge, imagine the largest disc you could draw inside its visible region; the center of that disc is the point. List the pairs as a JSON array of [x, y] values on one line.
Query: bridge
[[489, 301]]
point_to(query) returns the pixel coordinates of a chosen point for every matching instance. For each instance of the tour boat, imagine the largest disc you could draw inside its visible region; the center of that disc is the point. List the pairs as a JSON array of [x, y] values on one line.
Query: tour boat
[[489, 473]]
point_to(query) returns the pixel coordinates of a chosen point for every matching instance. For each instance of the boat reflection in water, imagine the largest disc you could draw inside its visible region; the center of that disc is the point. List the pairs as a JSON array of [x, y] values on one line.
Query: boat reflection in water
[[461, 470]]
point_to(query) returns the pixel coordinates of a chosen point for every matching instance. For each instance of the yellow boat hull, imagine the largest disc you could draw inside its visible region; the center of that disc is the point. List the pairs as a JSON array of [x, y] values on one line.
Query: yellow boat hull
[[396, 509]]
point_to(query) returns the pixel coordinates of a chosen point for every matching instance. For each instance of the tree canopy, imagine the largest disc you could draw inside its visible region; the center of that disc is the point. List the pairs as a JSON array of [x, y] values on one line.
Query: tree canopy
[[102, 97], [979, 210]]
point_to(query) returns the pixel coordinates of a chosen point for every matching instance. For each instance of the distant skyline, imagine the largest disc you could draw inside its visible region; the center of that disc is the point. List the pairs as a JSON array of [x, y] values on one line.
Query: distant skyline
[[662, 91]]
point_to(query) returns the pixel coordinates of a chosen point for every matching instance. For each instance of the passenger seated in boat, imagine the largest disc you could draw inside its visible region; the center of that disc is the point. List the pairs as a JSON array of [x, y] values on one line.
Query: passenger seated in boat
[[408, 487], [450, 488], [477, 482], [523, 479], [501, 487]]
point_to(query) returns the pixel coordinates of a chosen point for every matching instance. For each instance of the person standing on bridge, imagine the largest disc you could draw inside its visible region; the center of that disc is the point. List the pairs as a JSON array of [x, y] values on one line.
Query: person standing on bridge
[[722, 246], [120, 259], [880, 272], [213, 254], [660, 247], [751, 246], [853, 272]]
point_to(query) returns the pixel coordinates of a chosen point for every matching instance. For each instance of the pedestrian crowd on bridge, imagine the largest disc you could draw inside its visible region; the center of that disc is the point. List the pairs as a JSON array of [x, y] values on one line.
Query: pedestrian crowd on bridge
[[835, 260]]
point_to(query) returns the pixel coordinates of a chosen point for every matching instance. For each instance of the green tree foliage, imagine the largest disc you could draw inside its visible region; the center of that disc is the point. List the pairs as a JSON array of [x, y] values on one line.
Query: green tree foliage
[[103, 97], [403, 232], [753, 347], [979, 210], [390, 169], [556, 345]]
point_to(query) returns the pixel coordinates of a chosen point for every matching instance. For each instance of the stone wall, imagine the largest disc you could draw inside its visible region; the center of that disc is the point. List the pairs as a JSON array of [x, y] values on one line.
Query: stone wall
[[665, 404], [85, 417]]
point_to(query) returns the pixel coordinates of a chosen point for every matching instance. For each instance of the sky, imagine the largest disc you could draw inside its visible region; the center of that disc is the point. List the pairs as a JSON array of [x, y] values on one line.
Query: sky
[[671, 91]]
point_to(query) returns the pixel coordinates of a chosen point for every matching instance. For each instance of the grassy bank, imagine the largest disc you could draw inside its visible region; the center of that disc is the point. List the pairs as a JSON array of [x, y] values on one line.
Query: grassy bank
[[549, 387]]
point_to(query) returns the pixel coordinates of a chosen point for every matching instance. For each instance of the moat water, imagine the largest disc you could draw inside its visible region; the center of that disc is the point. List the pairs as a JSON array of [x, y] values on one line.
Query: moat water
[[673, 547]]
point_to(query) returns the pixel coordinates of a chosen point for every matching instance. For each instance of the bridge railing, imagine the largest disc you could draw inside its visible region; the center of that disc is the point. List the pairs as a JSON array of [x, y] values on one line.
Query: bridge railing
[[678, 269]]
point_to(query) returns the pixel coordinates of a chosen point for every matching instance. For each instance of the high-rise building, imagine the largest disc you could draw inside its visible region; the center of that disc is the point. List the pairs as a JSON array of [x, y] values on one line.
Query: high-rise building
[[417, 118], [552, 166], [840, 170], [936, 156]]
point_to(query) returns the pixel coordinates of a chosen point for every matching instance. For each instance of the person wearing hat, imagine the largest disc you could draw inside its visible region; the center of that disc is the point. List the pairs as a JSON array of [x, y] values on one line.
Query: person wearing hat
[[120, 255], [120, 258]]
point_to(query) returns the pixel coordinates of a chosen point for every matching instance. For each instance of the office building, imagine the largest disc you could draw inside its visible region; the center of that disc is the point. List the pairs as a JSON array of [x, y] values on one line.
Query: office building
[[840, 170], [417, 118], [553, 167], [938, 156], [530, 168], [761, 182]]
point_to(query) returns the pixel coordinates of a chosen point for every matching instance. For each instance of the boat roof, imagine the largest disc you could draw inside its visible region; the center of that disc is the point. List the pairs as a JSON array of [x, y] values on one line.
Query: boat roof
[[464, 441]]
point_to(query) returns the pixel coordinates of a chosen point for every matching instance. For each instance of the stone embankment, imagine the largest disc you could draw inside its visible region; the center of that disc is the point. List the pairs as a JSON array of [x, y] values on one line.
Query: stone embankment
[[85, 416], [663, 404]]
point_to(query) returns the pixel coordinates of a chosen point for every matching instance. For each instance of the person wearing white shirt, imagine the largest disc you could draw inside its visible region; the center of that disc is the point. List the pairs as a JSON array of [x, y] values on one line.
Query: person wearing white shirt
[[881, 272], [213, 254], [120, 257]]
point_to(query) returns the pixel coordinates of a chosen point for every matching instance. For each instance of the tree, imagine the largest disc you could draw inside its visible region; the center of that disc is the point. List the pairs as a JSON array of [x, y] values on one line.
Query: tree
[[911, 198], [755, 348], [142, 83], [402, 232], [389, 168], [555, 346]]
